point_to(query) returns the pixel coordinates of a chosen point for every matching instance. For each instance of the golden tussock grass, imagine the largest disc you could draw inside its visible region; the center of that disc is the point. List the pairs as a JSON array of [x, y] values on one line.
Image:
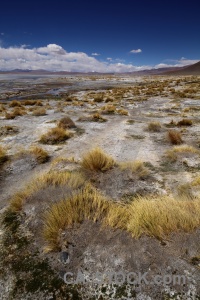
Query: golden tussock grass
[[66, 123], [108, 109], [64, 160], [3, 156], [96, 117], [172, 154], [97, 160], [184, 122], [137, 167], [17, 111], [155, 216], [174, 137], [40, 154], [154, 126], [8, 129], [98, 98], [40, 111], [32, 102], [74, 180], [55, 136], [122, 112], [15, 103]]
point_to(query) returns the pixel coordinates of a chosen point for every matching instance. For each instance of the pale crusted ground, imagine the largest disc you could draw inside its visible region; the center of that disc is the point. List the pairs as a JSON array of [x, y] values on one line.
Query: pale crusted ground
[[124, 141]]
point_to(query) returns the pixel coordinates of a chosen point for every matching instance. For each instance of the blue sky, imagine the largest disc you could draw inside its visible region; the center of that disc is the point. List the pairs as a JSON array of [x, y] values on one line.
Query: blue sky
[[161, 33]]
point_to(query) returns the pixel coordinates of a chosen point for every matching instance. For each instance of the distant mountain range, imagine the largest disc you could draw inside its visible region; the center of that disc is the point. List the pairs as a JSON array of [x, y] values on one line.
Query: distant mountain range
[[187, 70]]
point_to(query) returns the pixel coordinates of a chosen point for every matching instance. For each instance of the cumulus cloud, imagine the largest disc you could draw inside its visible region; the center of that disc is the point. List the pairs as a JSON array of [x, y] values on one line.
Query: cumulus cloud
[[136, 51], [54, 58], [95, 54]]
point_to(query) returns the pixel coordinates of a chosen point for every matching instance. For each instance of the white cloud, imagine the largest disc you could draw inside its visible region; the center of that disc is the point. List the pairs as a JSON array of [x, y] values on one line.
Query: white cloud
[[54, 58], [95, 54], [136, 51]]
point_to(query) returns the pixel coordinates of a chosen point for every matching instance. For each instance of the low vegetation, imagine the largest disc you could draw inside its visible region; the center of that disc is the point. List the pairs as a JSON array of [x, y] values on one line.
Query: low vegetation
[[97, 160], [8, 129], [40, 154], [136, 167], [55, 136], [41, 111], [174, 137], [155, 216], [173, 153], [154, 126], [96, 117], [184, 122], [66, 123]]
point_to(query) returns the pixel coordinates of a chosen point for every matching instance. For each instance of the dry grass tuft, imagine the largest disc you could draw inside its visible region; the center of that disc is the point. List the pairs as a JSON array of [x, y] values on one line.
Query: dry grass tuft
[[86, 205], [98, 98], [32, 102], [172, 154], [40, 154], [15, 103], [153, 216], [159, 217], [174, 137], [53, 179], [108, 109], [154, 126], [40, 111], [97, 160], [122, 112], [3, 156], [136, 167], [66, 123], [8, 129], [184, 122], [18, 111], [55, 136], [97, 118]]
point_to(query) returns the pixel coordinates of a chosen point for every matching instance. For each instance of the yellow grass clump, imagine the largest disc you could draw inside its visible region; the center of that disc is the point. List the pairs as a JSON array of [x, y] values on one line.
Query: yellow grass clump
[[66, 123], [97, 160], [39, 111], [154, 126], [137, 167], [54, 179], [155, 216], [184, 122], [55, 136], [15, 103], [40, 154], [172, 154], [96, 117], [122, 112], [108, 109], [174, 137]]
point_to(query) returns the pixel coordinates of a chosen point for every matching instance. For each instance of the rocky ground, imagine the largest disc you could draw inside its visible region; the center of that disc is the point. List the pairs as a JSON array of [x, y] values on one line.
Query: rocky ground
[[124, 132]]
